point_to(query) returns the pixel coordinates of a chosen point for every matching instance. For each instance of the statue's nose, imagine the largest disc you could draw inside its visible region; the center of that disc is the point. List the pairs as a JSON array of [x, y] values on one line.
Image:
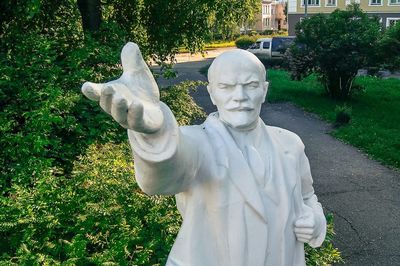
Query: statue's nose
[[240, 94]]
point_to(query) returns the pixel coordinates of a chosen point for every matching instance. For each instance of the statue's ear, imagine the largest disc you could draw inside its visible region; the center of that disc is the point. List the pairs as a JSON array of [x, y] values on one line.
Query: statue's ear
[[209, 89], [266, 85]]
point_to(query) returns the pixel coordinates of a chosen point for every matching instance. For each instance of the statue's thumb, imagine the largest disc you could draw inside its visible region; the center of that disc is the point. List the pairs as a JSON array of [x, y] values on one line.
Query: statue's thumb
[[131, 58], [92, 90]]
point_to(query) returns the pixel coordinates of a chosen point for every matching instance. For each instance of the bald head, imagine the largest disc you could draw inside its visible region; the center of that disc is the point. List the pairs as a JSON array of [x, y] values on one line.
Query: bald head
[[235, 60], [237, 87]]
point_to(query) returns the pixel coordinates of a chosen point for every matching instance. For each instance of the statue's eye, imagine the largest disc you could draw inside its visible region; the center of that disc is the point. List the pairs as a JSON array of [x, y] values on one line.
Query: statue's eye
[[225, 86], [253, 85]]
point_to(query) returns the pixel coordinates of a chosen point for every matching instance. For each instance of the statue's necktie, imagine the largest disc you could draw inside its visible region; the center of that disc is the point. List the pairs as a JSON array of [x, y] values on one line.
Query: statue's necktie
[[256, 164]]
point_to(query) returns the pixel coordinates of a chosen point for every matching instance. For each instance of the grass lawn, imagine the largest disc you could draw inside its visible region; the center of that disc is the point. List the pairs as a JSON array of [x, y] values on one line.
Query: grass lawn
[[212, 46], [375, 115]]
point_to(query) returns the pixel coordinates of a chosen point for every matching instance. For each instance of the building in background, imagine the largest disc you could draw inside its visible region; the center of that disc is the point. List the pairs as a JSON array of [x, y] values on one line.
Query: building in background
[[272, 16], [387, 10]]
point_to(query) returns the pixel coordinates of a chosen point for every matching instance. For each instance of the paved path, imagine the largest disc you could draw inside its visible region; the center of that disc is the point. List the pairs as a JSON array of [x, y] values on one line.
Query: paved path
[[363, 195]]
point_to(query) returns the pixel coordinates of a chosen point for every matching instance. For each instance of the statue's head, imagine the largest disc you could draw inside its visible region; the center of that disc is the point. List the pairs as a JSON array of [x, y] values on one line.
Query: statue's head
[[238, 88]]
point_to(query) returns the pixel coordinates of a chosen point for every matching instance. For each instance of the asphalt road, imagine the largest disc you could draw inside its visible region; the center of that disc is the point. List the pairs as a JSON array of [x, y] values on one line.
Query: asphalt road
[[363, 195]]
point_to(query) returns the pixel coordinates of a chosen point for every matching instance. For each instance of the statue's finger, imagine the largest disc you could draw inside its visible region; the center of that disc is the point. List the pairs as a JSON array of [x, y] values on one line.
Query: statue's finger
[[306, 230], [305, 223], [137, 74], [303, 240], [119, 110], [304, 236], [106, 98], [135, 116], [131, 58], [92, 90]]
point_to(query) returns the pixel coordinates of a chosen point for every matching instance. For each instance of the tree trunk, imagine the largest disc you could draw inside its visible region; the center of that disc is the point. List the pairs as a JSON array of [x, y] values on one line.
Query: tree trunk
[[91, 14]]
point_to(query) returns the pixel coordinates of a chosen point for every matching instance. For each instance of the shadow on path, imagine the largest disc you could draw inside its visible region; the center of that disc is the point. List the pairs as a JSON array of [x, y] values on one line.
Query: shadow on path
[[363, 195]]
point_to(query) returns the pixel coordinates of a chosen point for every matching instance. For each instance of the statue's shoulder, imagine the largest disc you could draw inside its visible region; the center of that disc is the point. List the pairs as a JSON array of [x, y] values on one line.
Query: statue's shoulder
[[193, 130], [284, 136]]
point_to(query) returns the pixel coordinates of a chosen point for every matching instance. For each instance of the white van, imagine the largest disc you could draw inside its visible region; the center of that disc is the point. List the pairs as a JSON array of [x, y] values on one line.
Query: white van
[[261, 48], [271, 48]]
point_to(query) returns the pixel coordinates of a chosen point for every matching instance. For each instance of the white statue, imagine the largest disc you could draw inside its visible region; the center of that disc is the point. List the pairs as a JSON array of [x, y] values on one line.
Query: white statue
[[244, 189]]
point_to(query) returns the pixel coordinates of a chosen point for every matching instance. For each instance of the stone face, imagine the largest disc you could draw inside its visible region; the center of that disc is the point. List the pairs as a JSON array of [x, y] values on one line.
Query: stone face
[[244, 189]]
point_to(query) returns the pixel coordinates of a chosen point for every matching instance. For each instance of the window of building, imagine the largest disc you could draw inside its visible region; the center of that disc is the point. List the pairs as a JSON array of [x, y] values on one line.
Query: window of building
[[375, 2], [348, 2], [394, 2], [330, 2], [311, 2], [391, 21], [266, 22], [266, 9]]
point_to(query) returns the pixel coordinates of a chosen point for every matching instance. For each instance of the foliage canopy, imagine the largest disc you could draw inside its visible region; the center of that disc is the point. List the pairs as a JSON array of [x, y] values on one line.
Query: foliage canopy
[[158, 27], [335, 47]]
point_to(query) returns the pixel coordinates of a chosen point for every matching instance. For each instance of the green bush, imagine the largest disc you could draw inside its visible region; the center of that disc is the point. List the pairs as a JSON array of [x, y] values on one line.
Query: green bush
[[245, 41], [335, 47], [46, 122], [268, 32], [343, 115], [181, 103], [97, 214], [388, 51]]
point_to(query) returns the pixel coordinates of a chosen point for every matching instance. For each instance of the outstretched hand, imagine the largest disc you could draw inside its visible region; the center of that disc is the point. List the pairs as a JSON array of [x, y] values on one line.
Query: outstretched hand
[[133, 100]]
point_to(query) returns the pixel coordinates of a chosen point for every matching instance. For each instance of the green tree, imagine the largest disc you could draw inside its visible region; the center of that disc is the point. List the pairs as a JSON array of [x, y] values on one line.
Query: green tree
[[388, 51], [334, 47], [159, 27], [165, 26]]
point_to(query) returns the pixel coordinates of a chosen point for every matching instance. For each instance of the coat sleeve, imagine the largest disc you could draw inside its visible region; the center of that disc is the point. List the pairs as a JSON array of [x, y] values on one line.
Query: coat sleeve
[[310, 199], [167, 161]]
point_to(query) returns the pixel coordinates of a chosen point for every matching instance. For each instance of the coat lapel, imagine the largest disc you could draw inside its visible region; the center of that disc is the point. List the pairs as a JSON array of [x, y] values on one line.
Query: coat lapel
[[275, 171], [230, 157]]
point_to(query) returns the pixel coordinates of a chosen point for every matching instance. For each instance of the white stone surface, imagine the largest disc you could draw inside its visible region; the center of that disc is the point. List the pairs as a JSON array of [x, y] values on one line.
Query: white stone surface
[[244, 189]]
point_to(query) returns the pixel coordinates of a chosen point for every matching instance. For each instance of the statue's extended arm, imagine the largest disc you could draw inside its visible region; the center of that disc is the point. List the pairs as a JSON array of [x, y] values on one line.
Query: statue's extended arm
[[133, 101], [311, 227]]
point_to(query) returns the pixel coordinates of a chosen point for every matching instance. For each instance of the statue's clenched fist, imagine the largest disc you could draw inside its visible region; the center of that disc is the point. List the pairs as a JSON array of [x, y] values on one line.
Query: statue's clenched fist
[[133, 100], [307, 227]]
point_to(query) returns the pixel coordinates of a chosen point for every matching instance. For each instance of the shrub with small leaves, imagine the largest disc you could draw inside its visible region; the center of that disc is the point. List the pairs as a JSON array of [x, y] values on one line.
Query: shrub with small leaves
[[343, 115], [245, 41], [335, 47], [97, 214], [177, 97]]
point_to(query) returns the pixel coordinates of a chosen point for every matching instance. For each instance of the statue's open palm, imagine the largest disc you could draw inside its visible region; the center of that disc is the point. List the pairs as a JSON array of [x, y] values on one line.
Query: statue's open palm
[[133, 100]]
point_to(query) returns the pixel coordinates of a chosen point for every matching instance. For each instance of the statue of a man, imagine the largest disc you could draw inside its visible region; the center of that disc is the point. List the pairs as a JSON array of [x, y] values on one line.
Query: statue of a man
[[244, 189]]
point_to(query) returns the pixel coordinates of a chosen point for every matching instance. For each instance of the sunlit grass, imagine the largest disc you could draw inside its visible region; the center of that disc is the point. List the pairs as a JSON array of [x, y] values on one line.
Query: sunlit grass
[[375, 118], [212, 46]]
